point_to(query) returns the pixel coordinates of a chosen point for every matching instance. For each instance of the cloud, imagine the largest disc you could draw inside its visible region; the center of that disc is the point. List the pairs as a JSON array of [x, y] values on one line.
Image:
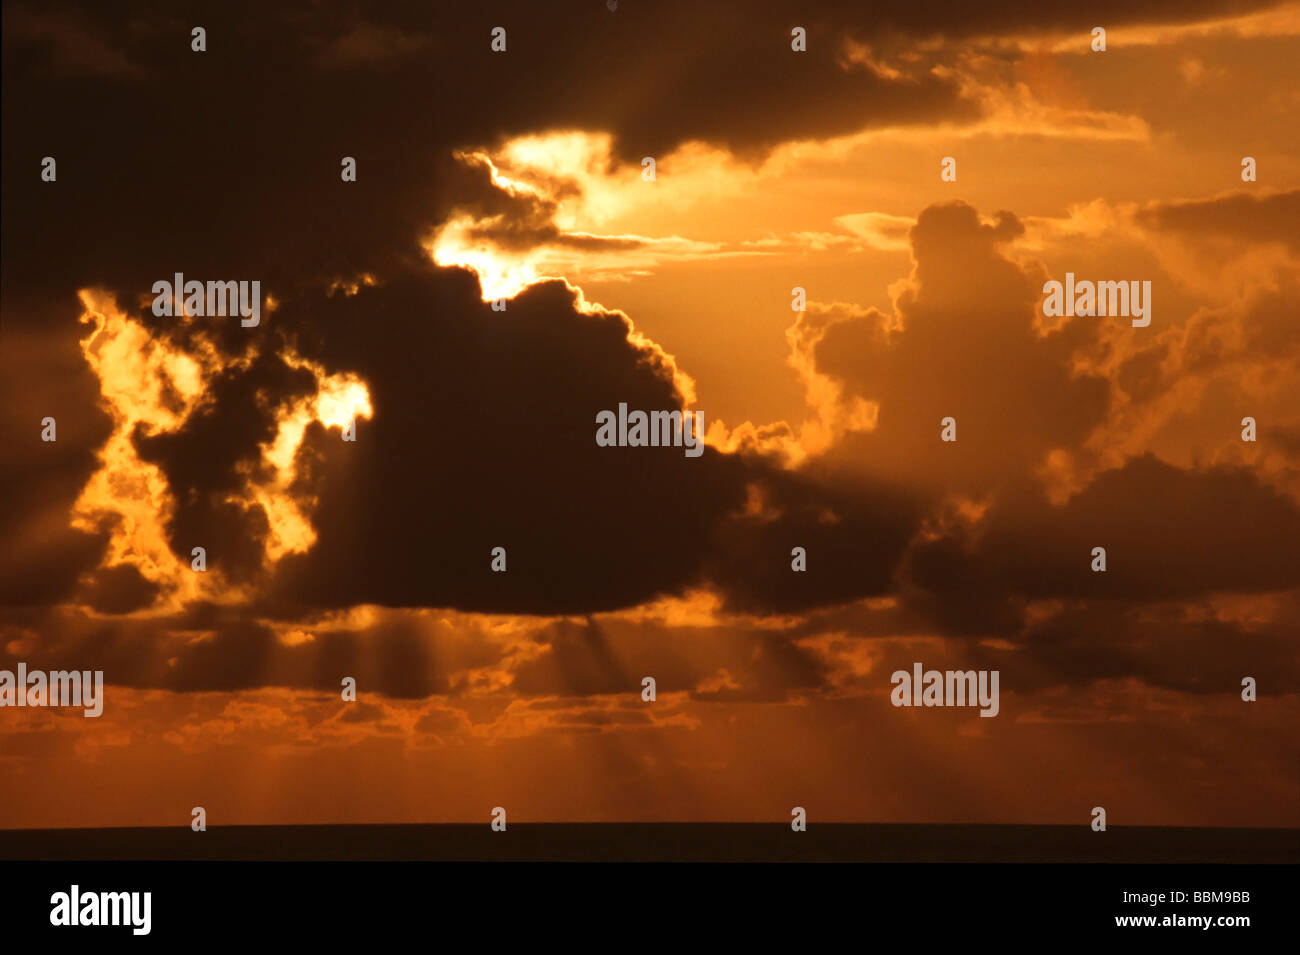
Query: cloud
[[119, 589], [471, 401], [1168, 533], [43, 375], [880, 230], [482, 174], [968, 315], [1236, 217], [368, 44], [66, 43]]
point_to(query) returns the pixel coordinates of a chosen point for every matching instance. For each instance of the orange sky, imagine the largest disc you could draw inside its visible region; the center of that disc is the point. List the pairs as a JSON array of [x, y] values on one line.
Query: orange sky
[[371, 559]]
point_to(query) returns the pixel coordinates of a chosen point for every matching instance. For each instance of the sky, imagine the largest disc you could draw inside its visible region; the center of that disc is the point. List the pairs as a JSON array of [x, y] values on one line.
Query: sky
[[520, 175]]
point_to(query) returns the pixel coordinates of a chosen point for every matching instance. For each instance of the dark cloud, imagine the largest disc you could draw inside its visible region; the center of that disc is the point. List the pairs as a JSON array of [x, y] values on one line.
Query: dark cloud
[[411, 655], [209, 460], [483, 435], [1240, 216], [733, 664], [1162, 647], [226, 163], [119, 589], [43, 374], [207, 647], [64, 42], [1171, 535], [1175, 646], [1168, 532], [853, 537], [366, 44]]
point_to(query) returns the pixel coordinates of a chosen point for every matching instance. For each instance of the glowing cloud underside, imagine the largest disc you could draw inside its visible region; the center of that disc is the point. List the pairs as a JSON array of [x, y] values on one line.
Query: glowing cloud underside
[[587, 205], [148, 383]]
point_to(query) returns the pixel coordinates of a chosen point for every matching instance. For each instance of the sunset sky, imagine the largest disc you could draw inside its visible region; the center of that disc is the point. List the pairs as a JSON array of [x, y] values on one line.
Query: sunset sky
[[519, 175]]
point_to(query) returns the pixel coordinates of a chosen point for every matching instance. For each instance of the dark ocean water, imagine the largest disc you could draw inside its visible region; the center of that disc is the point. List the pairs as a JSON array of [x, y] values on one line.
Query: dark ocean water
[[662, 842]]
